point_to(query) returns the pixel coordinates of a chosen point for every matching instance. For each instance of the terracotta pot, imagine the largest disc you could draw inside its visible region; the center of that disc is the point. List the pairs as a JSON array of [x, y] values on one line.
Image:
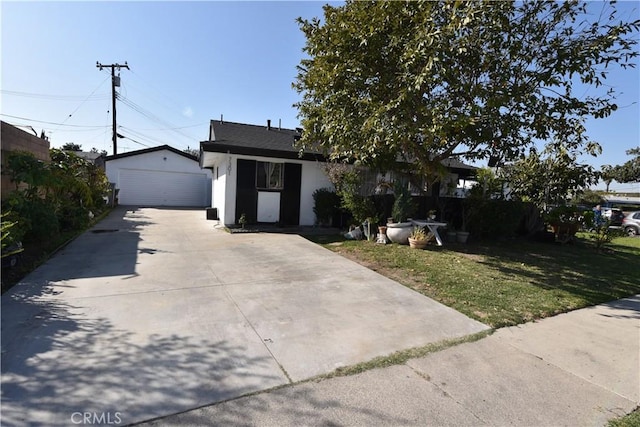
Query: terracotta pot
[[417, 244]]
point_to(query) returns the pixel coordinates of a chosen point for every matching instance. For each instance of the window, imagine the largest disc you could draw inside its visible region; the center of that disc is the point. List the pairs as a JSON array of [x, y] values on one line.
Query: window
[[269, 175]]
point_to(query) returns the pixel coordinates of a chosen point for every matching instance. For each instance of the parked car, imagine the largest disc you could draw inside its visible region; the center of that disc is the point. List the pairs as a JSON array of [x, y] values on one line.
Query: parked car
[[11, 255], [631, 224], [614, 216]]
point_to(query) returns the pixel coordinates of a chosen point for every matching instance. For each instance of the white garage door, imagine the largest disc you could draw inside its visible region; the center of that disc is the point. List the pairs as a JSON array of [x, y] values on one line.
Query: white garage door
[[160, 188]]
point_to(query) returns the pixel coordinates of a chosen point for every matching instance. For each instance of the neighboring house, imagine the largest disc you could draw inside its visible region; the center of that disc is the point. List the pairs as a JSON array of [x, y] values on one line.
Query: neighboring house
[[91, 156], [159, 176], [258, 172], [14, 139]]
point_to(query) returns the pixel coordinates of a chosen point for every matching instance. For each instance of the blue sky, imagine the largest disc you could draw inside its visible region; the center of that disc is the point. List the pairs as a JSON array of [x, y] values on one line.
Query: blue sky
[[189, 63]]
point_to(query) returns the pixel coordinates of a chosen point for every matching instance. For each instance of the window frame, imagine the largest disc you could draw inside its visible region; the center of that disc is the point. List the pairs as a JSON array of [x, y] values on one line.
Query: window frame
[[269, 174]]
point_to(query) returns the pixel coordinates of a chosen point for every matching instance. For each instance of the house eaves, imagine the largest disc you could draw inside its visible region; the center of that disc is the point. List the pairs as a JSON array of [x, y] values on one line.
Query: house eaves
[[151, 150]]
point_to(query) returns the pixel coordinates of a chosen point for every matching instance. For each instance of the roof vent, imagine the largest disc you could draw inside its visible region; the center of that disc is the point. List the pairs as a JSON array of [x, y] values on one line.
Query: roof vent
[[268, 124]]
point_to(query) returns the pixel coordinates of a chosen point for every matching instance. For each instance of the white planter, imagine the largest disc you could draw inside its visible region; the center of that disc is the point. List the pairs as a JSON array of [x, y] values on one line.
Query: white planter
[[399, 232]]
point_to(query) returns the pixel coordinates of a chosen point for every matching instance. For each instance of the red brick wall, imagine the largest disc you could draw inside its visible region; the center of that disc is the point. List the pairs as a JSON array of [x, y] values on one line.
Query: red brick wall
[[14, 139]]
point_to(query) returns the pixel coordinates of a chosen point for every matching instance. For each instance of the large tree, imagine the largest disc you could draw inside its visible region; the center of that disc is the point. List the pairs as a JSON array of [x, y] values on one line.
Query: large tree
[[553, 176], [630, 170], [426, 80]]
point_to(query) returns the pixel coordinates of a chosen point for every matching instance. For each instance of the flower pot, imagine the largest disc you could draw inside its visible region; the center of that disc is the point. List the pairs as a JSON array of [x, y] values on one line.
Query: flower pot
[[382, 234], [399, 232], [417, 244], [462, 236], [451, 236]]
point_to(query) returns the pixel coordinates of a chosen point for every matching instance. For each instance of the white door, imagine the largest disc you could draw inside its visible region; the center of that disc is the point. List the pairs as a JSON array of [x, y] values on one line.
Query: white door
[[161, 188], [268, 206]]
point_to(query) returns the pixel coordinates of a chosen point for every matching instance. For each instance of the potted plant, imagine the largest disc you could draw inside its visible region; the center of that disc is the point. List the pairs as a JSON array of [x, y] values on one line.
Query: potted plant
[[564, 221], [400, 230], [419, 238]]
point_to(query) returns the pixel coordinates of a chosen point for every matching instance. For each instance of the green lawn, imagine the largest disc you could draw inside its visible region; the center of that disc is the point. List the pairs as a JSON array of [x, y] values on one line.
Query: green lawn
[[506, 283], [631, 420]]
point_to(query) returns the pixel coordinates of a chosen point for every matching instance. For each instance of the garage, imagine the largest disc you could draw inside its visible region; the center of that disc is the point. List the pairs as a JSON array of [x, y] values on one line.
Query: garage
[[159, 176]]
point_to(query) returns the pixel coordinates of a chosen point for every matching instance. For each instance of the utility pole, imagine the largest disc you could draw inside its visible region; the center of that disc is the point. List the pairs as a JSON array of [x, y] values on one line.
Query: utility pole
[[114, 82]]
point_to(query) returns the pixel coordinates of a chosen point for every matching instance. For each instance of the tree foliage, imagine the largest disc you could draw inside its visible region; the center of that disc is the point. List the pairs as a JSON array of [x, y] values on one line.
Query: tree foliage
[[551, 177], [71, 146], [629, 171], [427, 80], [53, 196], [192, 151]]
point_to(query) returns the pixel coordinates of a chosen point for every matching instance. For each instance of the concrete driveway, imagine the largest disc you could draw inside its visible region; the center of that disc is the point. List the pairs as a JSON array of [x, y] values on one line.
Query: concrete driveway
[[154, 312]]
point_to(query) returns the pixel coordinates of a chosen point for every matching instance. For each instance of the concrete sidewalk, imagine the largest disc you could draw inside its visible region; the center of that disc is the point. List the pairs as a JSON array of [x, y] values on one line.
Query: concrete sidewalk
[[575, 369]]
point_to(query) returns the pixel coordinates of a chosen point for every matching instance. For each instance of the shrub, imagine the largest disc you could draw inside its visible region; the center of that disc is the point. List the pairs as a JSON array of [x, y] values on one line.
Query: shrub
[[11, 232], [326, 205], [361, 206], [565, 215], [403, 206], [35, 218], [494, 218], [73, 217]]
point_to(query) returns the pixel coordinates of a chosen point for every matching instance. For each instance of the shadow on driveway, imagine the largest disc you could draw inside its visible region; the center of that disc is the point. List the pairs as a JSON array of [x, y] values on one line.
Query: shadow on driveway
[[71, 363]]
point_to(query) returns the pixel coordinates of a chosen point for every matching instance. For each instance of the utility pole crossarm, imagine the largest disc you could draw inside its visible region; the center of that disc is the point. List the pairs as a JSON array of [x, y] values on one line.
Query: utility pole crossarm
[[113, 96]]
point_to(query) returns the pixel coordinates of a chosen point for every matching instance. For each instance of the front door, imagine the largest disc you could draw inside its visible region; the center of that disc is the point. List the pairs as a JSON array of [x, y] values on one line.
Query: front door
[[246, 193]]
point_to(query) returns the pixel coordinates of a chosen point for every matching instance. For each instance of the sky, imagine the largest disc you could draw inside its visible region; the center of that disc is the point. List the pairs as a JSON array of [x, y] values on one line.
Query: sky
[[189, 63]]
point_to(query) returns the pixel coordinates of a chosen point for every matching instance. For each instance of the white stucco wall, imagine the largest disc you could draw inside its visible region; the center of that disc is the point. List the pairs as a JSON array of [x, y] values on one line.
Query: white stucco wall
[[224, 186], [162, 161], [218, 189], [313, 177]]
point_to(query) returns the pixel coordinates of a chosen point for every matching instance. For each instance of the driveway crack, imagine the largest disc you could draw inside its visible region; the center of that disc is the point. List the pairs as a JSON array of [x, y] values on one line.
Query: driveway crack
[[262, 340], [427, 378]]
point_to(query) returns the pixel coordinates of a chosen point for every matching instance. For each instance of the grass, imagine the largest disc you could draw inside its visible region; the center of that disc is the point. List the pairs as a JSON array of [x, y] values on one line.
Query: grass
[[400, 357], [631, 420], [506, 283]]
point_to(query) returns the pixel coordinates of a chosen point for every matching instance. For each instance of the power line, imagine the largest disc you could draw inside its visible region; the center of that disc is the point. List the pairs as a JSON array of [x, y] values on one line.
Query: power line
[[51, 123], [131, 139], [114, 82], [143, 136], [149, 115], [82, 103], [98, 97]]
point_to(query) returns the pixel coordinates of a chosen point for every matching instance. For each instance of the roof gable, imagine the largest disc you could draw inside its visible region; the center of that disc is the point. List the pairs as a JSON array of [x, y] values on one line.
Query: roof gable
[[268, 141], [255, 136], [151, 150]]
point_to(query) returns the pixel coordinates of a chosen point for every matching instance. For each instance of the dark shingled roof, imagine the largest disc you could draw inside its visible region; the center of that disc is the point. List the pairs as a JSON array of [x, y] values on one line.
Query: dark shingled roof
[[239, 138], [255, 140]]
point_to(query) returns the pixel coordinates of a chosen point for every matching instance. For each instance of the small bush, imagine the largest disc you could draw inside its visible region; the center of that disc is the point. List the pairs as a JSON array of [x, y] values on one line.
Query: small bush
[[73, 217], [11, 232], [326, 205], [35, 218], [403, 205], [495, 218]]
